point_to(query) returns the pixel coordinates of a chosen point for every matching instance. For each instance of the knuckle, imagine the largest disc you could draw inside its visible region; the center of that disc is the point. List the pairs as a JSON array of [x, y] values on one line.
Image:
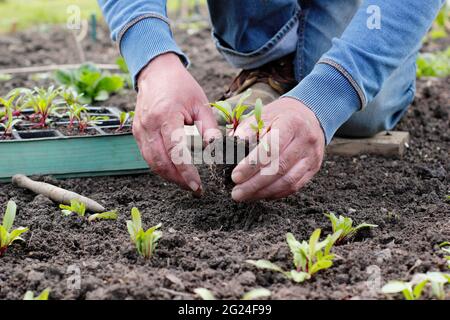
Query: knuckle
[[283, 167], [291, 183]]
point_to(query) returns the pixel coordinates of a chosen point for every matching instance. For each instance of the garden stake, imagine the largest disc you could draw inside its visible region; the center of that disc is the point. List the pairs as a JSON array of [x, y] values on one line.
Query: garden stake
[[59, 195]]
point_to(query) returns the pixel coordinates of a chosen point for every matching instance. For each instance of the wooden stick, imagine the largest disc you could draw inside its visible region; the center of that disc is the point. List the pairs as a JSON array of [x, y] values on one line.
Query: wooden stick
[[59, 195], [38, 69]]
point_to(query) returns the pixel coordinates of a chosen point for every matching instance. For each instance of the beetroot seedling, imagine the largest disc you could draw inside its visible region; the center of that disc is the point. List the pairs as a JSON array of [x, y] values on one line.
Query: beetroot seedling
[[254, 294], [110, 215], [445, 246], [413, 289], [87, 121], [233, 117], [145, 241], [29, 295], [124, 119], [77, 207], [7, 237], [308, 257], [345, 225], [43, 103], [74, 112], [259, 126]]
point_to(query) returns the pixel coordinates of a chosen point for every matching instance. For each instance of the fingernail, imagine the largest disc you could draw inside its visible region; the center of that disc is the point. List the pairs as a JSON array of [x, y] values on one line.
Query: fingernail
[[237, 194], [194, 186], [237, 177]]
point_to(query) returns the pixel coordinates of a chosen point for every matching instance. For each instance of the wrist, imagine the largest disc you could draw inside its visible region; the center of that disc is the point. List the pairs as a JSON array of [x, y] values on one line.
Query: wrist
[[165, 61]]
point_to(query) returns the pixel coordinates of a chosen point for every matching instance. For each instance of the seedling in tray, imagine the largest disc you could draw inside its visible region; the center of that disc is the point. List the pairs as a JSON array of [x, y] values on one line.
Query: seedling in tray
[[88, 120], [7, 237], [9, 122], [124, 118], [145, 241], [308, 257], [345, 225], [233, 117], [43, 103]]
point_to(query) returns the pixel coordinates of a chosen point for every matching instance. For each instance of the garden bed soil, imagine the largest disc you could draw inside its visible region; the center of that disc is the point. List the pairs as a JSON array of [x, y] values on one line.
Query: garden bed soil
[[207, 240]]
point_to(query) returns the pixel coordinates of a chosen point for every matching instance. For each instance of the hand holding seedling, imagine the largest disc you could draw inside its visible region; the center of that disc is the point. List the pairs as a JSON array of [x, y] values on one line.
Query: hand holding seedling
[[299, 152], [168, 99]]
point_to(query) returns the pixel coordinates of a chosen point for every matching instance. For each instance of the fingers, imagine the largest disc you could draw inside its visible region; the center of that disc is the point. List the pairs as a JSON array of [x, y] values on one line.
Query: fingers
[[174, 139], [206, 124], [283, 188], [154, 153], [267, 176], [271, 145]]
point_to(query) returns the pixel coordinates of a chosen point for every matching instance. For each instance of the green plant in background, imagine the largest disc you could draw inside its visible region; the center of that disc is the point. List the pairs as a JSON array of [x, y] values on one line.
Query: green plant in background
[[110, 215], [413, 289], [445, 246], [5, 77], [434, 64], [233, 117], [43, 103], [29, 295], [259, 126], [440, 25], [345, 224], [74, 112], [254, 294], [90, 83], [308, 257], [124, 118], [7, 237], [87, 120], [77, 207], [125, 72], [145, 241]]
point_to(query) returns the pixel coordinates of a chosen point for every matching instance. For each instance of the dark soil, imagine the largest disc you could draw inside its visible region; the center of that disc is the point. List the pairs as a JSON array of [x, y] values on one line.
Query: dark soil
[[225, 160], [207, 240]]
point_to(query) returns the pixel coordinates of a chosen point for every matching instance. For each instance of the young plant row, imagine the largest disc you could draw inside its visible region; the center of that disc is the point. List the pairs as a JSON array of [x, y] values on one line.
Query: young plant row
[[47, 103]]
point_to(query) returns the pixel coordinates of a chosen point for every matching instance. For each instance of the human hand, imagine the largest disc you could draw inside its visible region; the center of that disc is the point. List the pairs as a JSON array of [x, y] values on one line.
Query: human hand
[[297, 156], [169, 98]]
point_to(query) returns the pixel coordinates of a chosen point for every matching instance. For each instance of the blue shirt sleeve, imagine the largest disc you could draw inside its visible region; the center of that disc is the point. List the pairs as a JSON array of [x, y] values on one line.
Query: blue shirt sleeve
[[142, 30], [353, 71]]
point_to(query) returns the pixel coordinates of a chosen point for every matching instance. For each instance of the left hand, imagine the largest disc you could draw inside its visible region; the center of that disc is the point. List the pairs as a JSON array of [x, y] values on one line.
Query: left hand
[[297, 156]]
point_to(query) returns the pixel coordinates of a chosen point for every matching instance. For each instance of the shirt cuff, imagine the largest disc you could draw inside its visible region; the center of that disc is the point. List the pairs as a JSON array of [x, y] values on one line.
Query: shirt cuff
[[330, 95], [144, 41]]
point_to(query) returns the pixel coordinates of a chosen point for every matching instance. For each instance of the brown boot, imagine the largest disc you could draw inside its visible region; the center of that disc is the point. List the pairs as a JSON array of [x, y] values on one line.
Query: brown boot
[[268, 83]]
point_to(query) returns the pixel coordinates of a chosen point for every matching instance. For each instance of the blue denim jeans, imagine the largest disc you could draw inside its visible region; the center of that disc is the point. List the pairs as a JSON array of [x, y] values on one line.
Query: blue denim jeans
[[250, 33]]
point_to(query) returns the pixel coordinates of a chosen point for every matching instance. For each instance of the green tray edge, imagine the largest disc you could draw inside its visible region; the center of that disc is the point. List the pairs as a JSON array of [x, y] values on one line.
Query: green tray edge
[[69, 157]]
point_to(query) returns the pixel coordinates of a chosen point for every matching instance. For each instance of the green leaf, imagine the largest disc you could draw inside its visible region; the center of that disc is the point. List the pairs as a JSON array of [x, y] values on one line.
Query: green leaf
[[395, 287], [110, 84], [256, 294], [225, 110], [29, 295], [102, 96], [15, 234], [110, 215], [10, 215], [204, 294], [298, 277], [264, 264], [417, 292], [64, 77], [244, 97]]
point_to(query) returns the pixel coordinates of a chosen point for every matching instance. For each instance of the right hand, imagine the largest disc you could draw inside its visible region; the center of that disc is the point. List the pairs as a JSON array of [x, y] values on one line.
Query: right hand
[[169, 98]]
